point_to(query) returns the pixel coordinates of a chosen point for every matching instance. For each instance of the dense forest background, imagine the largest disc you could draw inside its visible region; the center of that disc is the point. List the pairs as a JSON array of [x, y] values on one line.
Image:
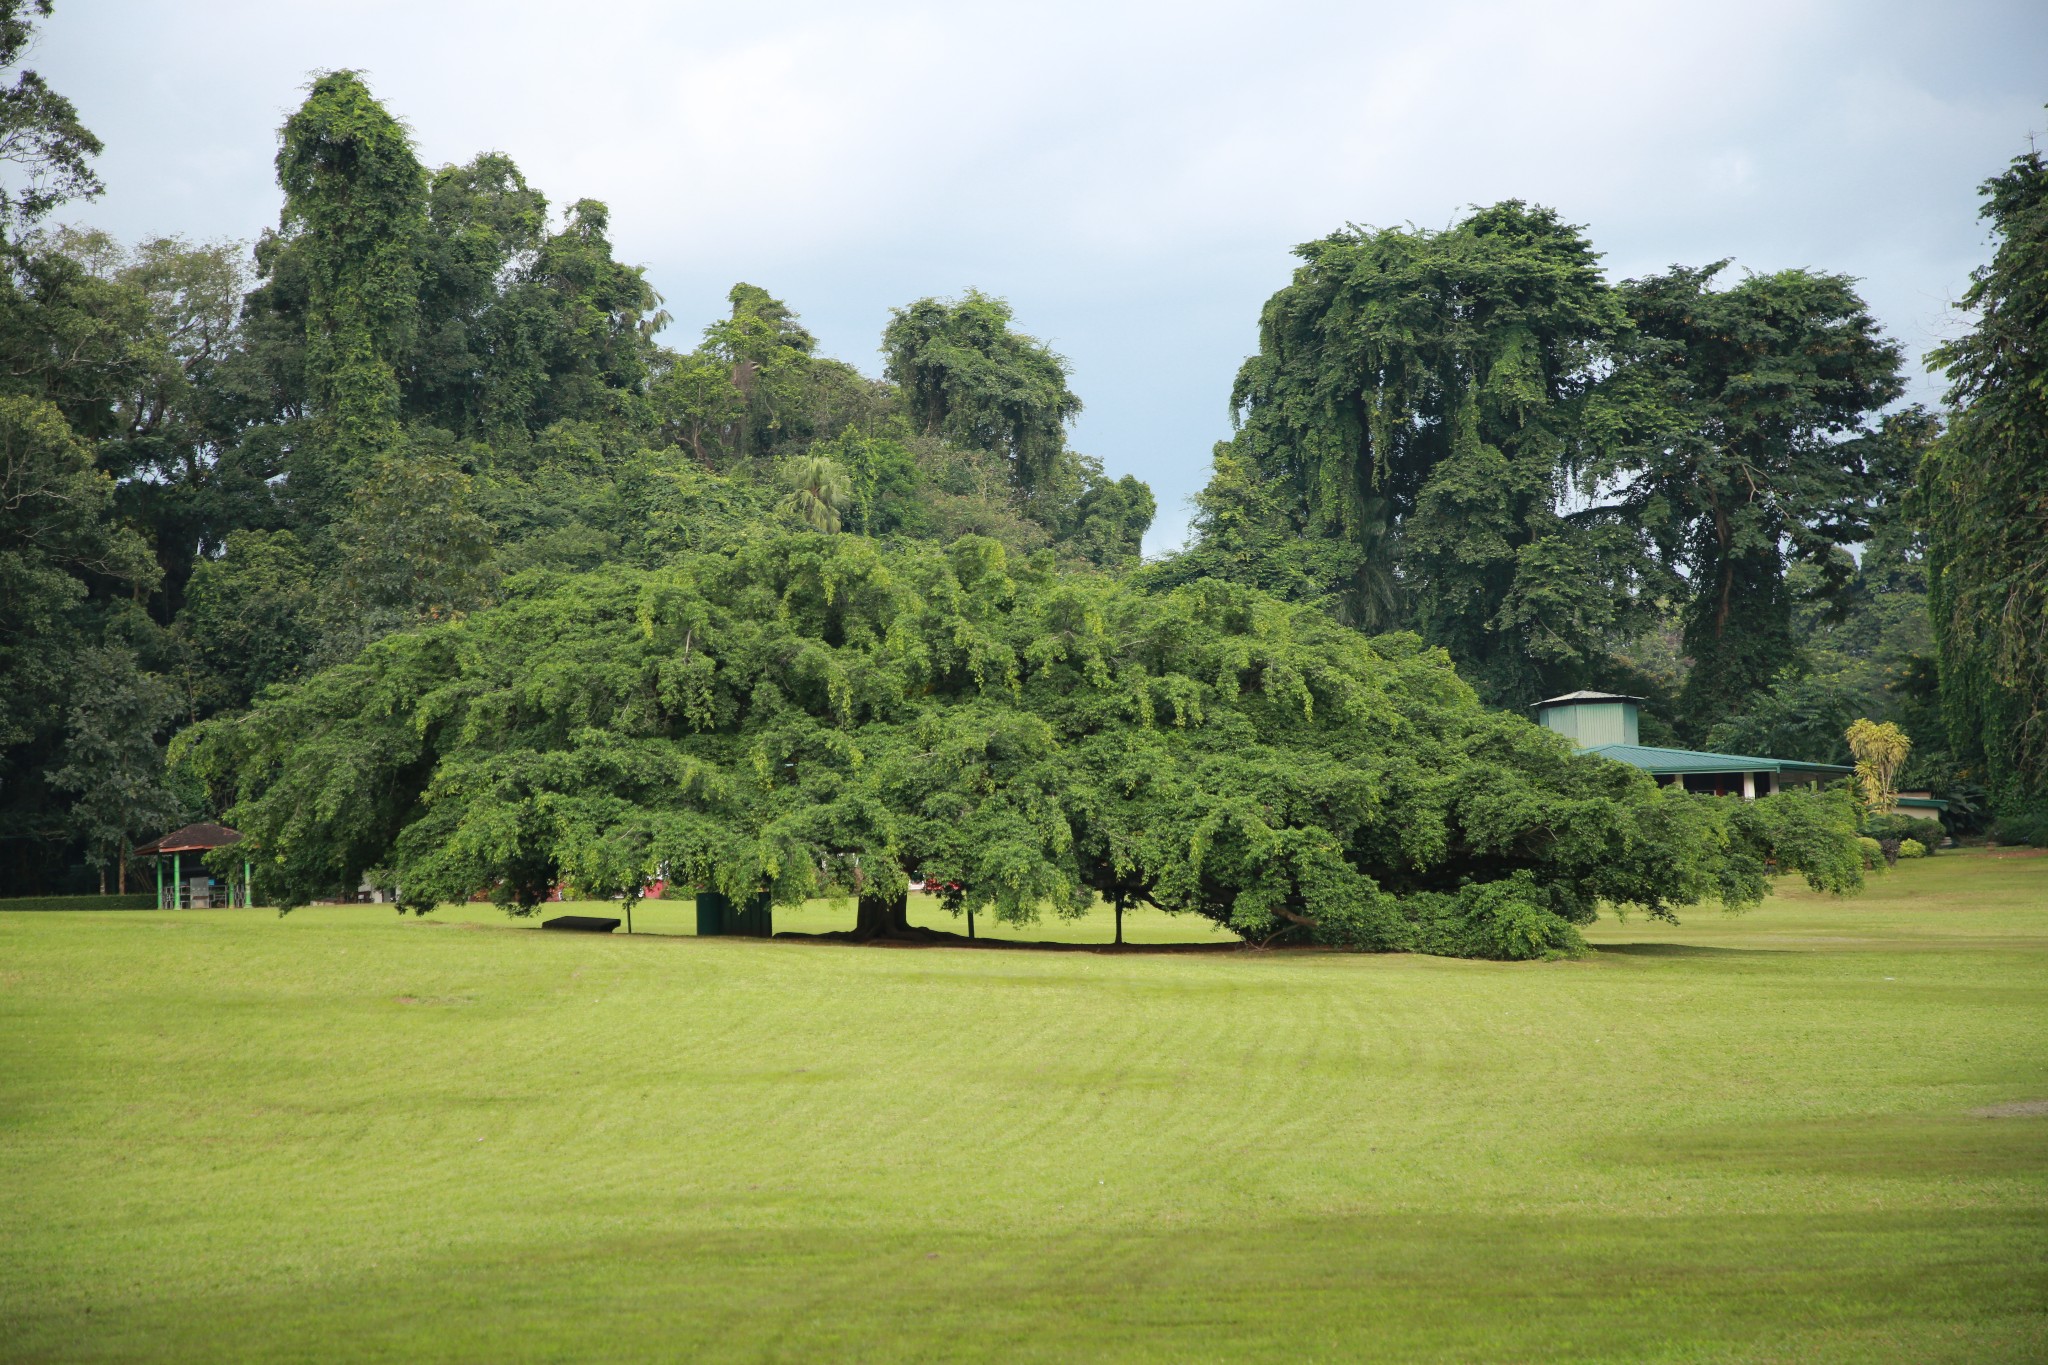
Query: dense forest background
[[229, 468]]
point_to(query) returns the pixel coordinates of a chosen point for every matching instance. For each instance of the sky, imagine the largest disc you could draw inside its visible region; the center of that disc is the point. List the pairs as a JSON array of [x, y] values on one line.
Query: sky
[[1130, 176]]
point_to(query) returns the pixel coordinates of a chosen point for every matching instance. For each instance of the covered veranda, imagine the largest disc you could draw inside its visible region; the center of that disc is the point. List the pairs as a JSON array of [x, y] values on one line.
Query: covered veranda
[[202, 890]]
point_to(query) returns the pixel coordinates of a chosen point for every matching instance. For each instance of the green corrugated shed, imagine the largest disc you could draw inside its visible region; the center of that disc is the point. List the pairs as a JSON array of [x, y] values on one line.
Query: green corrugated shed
[[718, 917], [1590, 718]]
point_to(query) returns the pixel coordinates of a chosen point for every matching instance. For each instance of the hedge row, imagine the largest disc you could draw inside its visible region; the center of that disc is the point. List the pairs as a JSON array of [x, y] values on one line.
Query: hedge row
[[144, 900]]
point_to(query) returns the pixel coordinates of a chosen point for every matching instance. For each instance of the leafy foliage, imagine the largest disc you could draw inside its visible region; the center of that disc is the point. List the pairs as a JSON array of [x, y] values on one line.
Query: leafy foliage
[[353, 217], [55, 545], [1471, 432], [114, 760], [967, 377], [1798, 717], [1928, 832], [470, 582], [815, 713], [819, 488], [1880, 751], [41, 137], [1763, 389], [1985, 487], [1414, 414]]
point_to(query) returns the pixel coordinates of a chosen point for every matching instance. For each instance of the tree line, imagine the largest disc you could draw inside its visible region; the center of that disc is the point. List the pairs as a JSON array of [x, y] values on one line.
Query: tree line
[[229, 469], [427, 558]]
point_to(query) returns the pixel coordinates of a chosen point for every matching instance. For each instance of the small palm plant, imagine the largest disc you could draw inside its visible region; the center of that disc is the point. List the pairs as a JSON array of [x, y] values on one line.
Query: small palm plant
[[819, 491], [1880, 751]]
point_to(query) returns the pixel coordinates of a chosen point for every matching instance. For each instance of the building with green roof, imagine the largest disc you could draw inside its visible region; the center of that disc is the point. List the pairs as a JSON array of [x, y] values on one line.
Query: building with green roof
[[1608, 724]]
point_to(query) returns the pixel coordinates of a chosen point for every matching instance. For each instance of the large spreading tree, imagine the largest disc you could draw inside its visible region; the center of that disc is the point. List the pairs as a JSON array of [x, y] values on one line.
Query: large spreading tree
[[818, 714]]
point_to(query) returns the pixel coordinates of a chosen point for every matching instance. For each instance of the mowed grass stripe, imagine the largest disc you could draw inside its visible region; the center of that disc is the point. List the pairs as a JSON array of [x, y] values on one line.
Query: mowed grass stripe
[[232, 1134]]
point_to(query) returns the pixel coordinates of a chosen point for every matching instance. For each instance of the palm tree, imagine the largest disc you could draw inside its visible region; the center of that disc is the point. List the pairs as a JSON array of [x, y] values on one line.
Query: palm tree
[[819, 491], [1372, 600]]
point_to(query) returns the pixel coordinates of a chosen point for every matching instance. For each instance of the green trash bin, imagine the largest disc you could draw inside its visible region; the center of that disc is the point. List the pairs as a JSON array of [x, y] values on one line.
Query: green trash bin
[[717, 916]]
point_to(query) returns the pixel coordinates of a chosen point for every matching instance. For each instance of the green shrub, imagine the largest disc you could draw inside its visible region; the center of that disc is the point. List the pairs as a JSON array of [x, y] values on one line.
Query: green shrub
[[2030, 827], [1809, 832], [1873, 854], [1929, 833], [1912, 848], [143, 900], [1504, 920]]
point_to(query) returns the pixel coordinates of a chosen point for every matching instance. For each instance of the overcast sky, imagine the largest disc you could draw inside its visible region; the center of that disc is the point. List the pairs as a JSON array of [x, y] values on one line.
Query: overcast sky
[[1130, 176]]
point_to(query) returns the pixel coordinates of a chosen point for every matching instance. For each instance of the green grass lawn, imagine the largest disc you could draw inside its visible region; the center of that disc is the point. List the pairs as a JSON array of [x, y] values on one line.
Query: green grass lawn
[[347, 1135]]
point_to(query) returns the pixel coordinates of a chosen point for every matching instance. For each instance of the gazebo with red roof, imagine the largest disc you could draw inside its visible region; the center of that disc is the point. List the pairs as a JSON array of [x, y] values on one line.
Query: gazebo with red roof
[[198, 838]]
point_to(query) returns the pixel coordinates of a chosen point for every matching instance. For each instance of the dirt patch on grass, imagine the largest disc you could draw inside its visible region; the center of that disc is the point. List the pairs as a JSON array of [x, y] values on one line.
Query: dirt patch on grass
[[2016, 1109]]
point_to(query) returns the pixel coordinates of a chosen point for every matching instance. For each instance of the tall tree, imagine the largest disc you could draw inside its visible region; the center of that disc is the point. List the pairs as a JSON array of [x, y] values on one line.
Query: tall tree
[[253, 617], [756, 390], [1409, 430], [57, 545], [1111, 517], [166, 436], [968, 376], [484, 227], [586, 320], [1985, 487], [46, 148], [114, 759], [1768, 452], [74, 346], [355, 210]]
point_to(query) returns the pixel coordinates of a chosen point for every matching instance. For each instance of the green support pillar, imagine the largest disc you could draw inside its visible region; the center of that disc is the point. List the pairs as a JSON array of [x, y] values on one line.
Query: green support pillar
[[248, 883], [177, 881]]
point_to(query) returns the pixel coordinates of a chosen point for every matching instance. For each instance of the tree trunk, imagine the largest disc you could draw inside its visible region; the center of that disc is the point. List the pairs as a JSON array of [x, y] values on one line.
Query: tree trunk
[[882, 917], [124, 867]]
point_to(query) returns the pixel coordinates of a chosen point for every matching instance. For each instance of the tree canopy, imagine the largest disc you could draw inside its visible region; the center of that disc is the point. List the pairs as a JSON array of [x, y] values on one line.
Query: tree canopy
[[819, 714], [1407, 432], [1471, 432], [1763, 451]]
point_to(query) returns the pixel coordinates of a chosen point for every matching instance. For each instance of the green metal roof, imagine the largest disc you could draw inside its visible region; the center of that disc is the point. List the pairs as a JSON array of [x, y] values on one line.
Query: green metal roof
[[1922, 803], [1667, 761], [1575, 698]]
